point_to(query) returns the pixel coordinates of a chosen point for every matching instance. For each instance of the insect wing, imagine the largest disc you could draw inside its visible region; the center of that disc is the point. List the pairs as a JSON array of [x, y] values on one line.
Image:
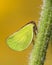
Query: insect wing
[[21, 39]]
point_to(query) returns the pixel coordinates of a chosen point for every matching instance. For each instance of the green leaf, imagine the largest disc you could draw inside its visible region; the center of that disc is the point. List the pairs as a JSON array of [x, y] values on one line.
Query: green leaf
[[21, 39]]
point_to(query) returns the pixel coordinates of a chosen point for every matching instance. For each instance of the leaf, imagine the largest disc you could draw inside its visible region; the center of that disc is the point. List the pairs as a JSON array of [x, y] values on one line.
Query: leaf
[[21, 39]]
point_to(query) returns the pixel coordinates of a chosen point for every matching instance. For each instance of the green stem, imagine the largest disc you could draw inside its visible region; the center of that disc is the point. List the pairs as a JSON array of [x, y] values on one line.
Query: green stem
[[43, 36]]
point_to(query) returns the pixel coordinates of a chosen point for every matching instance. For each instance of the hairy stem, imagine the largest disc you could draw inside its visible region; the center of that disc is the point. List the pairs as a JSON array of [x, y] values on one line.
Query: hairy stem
[[43, 36]]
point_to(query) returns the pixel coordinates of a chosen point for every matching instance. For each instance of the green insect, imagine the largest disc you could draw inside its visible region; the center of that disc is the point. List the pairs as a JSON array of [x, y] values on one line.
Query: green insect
[[21, 39]]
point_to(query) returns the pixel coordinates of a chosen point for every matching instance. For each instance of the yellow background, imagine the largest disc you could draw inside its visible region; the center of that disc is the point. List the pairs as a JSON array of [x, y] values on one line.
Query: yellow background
[[13, 15]]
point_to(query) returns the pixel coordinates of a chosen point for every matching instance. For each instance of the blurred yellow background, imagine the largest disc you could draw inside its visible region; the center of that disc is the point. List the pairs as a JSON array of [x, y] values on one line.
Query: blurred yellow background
[[13, 15]]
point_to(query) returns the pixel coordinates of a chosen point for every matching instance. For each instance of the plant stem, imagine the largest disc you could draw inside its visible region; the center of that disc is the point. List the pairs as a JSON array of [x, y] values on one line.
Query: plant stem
[[43, 36]]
